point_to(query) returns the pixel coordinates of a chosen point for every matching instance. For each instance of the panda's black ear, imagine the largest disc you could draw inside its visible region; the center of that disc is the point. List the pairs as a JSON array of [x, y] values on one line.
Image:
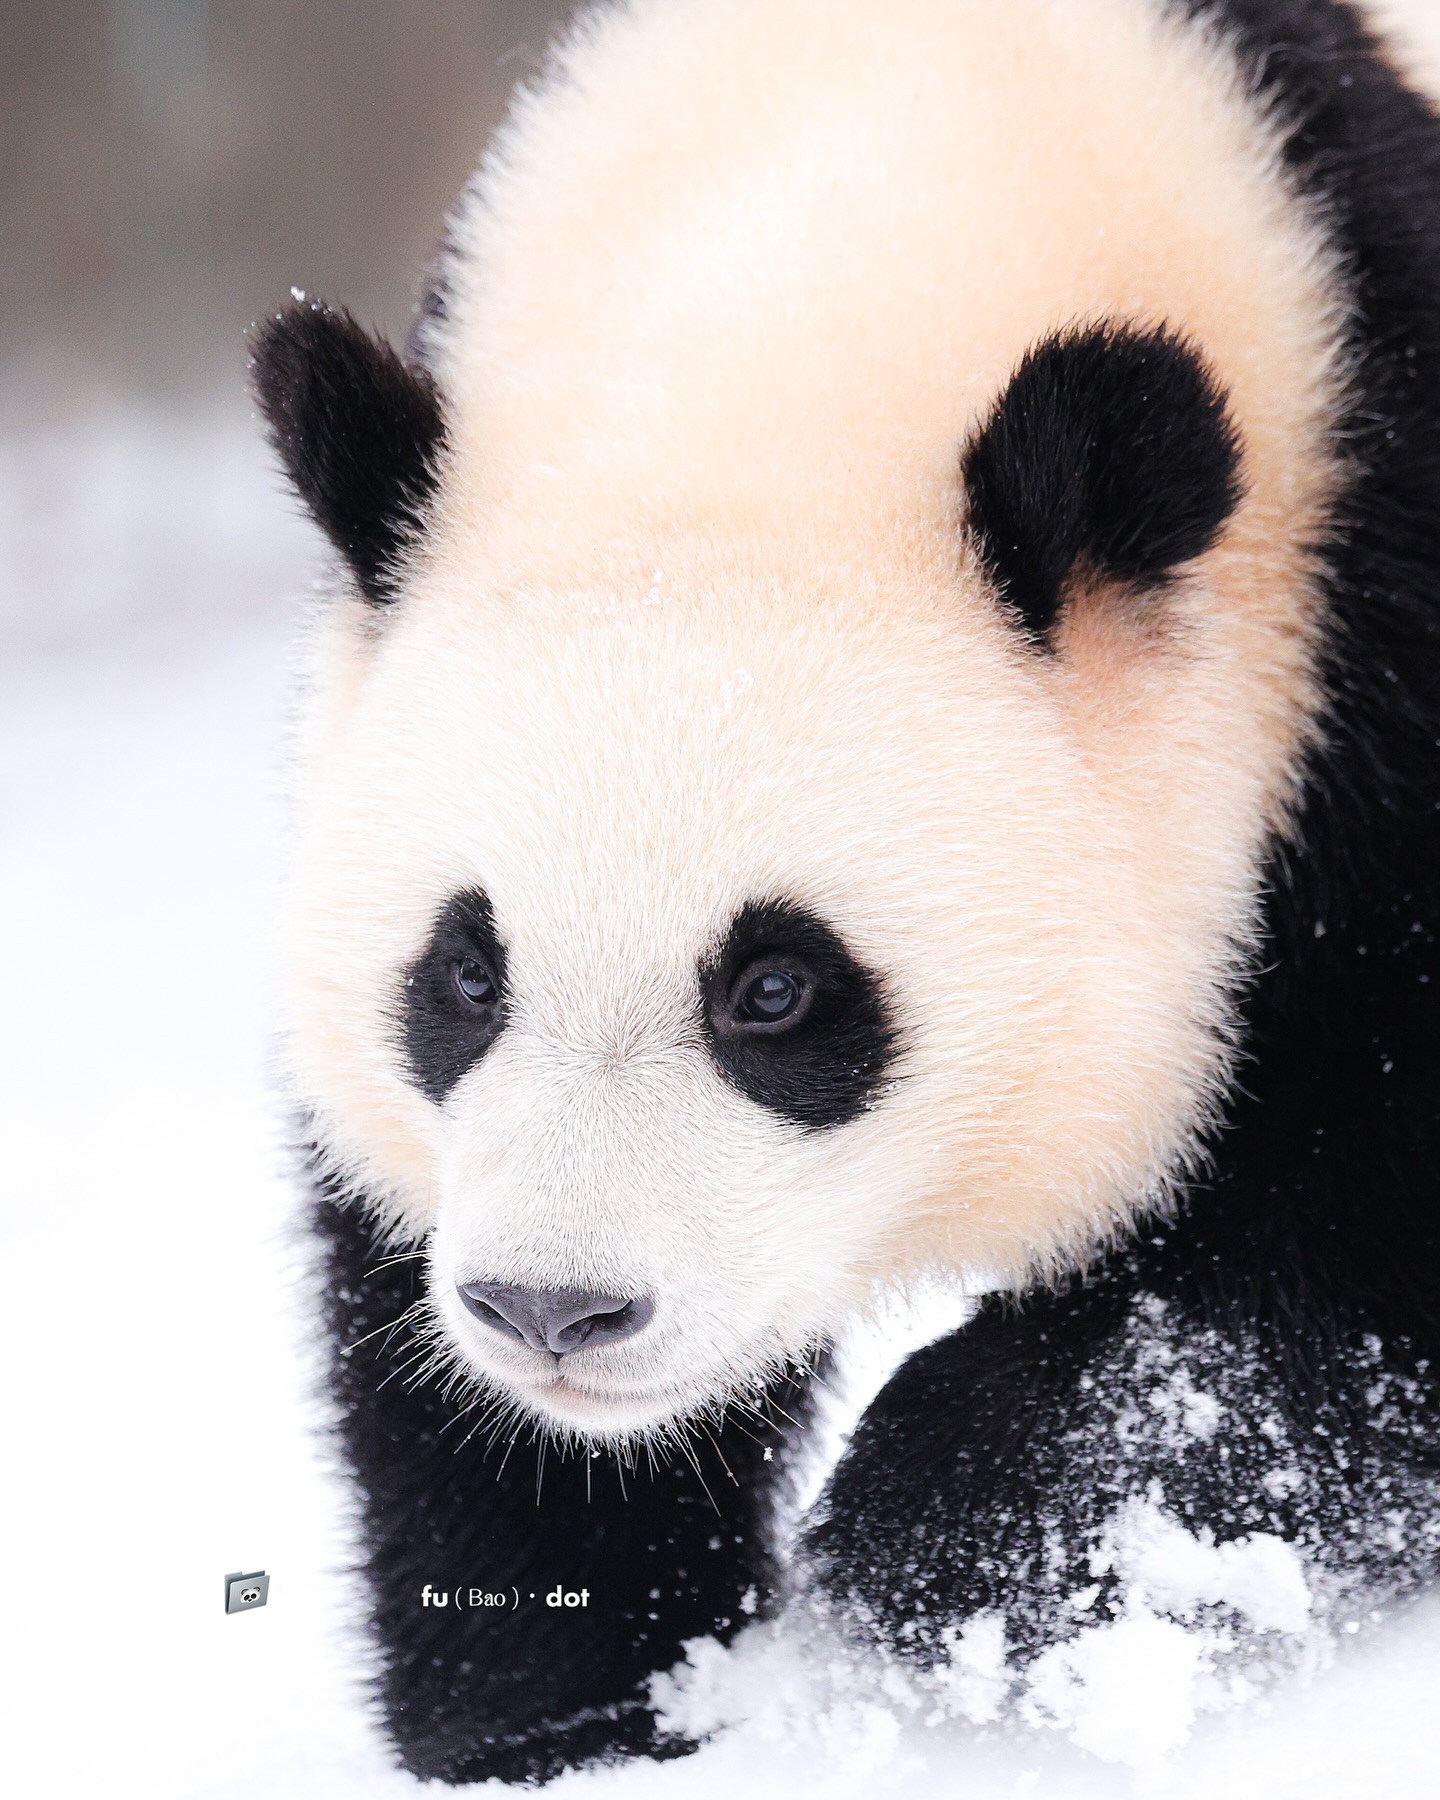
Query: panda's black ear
[[1112, 452], [359, 432]]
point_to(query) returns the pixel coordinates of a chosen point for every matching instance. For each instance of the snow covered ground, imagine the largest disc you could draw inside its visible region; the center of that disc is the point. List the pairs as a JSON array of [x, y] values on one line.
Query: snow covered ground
[[159, 1426]]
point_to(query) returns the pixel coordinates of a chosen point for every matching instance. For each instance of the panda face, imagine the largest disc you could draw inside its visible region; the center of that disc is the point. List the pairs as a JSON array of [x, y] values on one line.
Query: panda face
[[610, 1003], [777, 1036]]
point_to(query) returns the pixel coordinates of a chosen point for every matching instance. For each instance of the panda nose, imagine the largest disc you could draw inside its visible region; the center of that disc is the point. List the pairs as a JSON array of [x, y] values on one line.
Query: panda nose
[[558, 1319]]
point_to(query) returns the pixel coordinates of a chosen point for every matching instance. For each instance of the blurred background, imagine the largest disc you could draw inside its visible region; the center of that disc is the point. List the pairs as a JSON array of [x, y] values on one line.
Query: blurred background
[[168, 170], [169, 167]]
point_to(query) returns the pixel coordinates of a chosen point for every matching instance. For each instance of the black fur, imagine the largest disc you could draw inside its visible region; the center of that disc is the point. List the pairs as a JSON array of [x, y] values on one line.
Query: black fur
[[1301, 1282], [824, 1070], [1110, 451], [443, 1036], [667, 1550], [360, 434]]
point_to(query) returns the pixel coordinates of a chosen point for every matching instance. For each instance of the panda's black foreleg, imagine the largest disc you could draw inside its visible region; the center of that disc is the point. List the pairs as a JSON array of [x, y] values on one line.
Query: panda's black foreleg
[[945, 1501], [522, 1598], [1014, 1467]]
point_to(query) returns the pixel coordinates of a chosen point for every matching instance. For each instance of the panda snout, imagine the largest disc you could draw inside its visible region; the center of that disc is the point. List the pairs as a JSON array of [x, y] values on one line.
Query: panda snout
[[557, 1320]]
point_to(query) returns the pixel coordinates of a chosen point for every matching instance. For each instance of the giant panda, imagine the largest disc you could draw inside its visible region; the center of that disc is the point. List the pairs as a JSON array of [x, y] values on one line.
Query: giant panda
[[878, 719]]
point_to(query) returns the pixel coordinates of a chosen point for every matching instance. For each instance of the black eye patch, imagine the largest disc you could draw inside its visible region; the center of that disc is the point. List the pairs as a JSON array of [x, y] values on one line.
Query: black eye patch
[[452, 1005], [1111, 448], [792, 1019]]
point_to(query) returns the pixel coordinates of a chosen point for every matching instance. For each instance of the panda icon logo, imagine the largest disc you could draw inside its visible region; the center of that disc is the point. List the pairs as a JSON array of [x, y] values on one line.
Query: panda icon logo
[[244, 1593]]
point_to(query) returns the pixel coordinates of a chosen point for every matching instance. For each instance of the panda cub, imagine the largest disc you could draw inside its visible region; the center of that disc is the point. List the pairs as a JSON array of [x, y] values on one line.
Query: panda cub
[[880, 715]]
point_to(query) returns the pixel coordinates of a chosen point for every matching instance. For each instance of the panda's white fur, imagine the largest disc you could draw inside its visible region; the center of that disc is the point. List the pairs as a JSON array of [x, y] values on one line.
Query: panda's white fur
[[694, 621]]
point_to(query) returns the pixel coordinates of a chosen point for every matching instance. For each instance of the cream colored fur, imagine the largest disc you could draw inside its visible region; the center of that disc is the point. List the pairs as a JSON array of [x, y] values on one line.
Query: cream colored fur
[[695, 623], [1411, 32]]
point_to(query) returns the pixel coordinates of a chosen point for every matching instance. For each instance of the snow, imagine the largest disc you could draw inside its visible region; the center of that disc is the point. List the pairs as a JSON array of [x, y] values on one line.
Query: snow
[[1129, 1691], [1126, 1691], [161, 1423], [1173, 1570]]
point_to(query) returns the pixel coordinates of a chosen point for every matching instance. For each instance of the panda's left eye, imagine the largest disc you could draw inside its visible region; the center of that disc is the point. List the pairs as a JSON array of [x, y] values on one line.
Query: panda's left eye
[[771, 996], [794, 1021]]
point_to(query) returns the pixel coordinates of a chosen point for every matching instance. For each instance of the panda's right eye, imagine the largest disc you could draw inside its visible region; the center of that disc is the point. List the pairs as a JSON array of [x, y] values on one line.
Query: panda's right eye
[[473, 982], [453, 1001], [771, 997]]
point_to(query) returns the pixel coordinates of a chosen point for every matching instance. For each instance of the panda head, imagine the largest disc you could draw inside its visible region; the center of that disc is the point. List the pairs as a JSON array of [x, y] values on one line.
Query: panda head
[[692, 928]]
